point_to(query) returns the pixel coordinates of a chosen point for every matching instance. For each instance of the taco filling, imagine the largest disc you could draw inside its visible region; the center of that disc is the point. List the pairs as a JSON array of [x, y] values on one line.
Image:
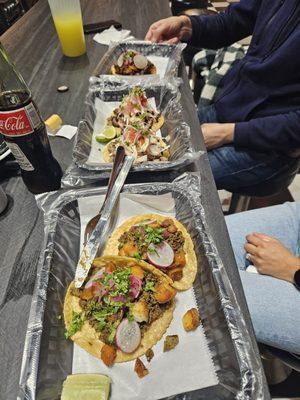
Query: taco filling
[[120, 303], [159, 242], [135, 123], [132, 62]]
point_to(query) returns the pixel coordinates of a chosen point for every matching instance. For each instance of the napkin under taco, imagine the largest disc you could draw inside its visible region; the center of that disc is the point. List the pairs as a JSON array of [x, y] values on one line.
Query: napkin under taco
[[123, 308], [162, 241]]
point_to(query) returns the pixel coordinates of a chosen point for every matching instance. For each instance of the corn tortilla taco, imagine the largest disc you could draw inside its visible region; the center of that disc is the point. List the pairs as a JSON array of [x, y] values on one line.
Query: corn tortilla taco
[[132, 62], [123, 308], [162, 241]]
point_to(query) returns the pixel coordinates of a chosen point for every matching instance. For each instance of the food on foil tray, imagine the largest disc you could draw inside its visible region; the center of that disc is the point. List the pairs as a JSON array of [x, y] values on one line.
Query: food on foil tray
[[123, 308], [134, 125], [149, 355], [132, 62], [191, 320], [162, 241], [86, 387], [171, 341], [140, 368]]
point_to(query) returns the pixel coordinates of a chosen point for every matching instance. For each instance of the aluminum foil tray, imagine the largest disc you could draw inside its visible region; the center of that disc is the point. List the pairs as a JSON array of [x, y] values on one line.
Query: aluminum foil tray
[[167, 100], [47, 358], [172, 52]]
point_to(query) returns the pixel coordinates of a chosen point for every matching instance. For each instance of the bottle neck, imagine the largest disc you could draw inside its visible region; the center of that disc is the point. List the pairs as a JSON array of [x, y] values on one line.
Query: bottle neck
[[10, 79]]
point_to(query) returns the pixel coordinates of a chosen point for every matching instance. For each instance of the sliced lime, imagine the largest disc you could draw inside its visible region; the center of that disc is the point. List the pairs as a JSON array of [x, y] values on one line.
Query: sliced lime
[[109, 133]]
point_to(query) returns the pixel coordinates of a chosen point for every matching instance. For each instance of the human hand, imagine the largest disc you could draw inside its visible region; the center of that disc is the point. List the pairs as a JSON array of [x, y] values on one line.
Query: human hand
[[271, 257], [171, 30], [215, 135]]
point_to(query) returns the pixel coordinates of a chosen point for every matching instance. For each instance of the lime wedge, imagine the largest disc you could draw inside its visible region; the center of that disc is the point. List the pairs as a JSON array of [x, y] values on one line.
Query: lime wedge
[[109, 133], [86, 387]]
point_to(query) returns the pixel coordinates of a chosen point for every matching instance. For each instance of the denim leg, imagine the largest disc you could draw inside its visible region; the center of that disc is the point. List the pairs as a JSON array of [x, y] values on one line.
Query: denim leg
[[274, 309], [272, 302], [207, 114], [234, 169], [281, 222]]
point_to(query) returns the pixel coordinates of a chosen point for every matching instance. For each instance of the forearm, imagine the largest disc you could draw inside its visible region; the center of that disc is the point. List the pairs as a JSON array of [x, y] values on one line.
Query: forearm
[[216, 31]]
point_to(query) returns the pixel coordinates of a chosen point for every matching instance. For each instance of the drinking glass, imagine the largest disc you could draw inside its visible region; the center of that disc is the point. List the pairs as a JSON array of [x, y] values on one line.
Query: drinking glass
[[67, 19]]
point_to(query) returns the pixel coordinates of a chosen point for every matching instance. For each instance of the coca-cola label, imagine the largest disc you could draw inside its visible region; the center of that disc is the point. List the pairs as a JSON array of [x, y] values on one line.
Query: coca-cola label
[[19, 122]]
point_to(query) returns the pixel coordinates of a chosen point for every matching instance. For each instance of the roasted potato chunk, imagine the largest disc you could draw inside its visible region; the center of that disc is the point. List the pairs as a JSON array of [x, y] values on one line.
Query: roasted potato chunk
[[129, 249], [170, 342], [191, 320], [149, 355], [164, 293], [87, 294], [175, 274], [108, 355], [137, 271], [140, 311], [140, 368], [179, 259]]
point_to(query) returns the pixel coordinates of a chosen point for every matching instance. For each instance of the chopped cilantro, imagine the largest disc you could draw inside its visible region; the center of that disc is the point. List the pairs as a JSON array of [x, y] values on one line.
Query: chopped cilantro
[[137, 256], [149, 286], [76, 324]]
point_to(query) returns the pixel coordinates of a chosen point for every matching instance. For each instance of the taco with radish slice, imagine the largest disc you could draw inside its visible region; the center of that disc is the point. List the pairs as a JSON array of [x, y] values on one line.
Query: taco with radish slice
[[162, 242], [123, 308]]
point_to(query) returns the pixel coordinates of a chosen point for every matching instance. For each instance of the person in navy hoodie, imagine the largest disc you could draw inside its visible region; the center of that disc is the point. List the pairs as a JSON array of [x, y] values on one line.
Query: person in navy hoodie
[[252, 130]]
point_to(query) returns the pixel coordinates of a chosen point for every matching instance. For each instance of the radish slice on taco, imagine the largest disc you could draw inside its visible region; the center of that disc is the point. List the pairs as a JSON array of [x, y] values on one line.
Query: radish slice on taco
[[161, 241]]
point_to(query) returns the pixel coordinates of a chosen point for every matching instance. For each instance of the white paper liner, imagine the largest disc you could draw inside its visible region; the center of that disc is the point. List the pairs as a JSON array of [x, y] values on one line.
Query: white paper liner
[[103, 111], [187, 367]]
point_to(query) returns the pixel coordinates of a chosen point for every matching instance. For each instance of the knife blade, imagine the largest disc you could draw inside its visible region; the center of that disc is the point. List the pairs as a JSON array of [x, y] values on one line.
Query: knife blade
[[99, 234]]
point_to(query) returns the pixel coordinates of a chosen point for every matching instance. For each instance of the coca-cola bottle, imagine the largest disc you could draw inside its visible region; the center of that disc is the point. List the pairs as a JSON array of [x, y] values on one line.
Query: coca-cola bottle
[[24, 131]]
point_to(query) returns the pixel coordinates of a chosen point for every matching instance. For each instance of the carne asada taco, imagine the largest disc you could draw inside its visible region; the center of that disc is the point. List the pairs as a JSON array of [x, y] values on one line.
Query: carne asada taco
[[132, 62], [123, 308], [161, 241]]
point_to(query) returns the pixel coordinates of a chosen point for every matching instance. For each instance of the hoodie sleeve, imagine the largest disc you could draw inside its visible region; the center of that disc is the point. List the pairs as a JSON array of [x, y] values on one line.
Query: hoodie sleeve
[[216, 31], [278, 132]]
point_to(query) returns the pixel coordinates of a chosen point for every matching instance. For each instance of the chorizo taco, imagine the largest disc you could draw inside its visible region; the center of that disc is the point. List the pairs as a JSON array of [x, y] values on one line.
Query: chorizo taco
[[123, 308], [161, 241], [132, 62]]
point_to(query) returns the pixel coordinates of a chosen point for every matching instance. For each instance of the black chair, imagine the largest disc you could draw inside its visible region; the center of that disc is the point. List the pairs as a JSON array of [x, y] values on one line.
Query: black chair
[[281, 369], [241, 199], [179, 6]]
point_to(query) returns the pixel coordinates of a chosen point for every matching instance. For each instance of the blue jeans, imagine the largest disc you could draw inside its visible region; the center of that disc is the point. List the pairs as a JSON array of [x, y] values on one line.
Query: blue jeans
[[234, 169], [274, 304]]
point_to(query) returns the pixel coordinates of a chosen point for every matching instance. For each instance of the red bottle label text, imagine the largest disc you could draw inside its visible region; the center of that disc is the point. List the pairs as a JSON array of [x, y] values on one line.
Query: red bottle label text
[[19, 122]]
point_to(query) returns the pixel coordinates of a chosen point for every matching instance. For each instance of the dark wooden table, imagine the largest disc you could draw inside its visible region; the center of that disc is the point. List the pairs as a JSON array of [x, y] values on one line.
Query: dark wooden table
[[33, 45]]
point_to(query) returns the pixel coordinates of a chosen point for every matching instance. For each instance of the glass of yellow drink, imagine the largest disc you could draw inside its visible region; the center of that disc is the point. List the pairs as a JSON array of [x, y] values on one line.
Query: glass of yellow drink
[[67, 19]]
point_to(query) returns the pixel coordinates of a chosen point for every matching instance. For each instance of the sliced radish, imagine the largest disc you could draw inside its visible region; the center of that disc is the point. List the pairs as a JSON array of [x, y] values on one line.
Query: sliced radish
[[140, 61], [128, 336], [120, 61], [96, 276], [161, 255], [135, 286]]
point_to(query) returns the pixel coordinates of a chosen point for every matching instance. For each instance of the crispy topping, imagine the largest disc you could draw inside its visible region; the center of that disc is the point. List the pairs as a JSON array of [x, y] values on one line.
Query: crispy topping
[[191, 320], [149, 355], [170, 342], [140, 368]]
